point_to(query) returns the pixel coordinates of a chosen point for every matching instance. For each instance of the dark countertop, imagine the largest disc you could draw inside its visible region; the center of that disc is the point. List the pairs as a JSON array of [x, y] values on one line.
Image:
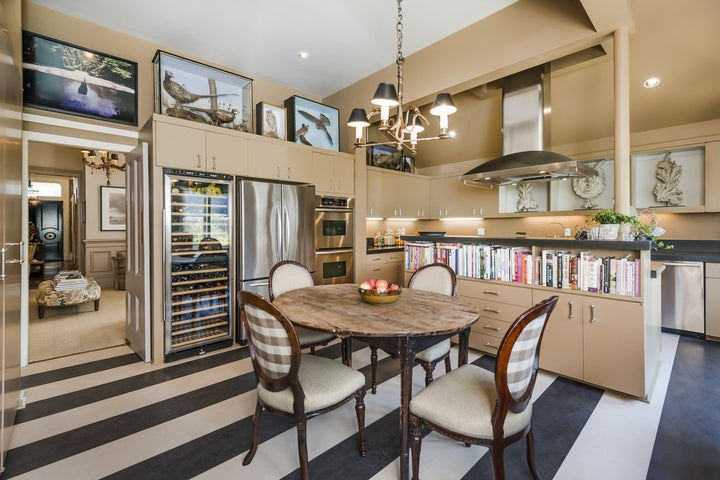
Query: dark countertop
[[385, 249], [689, 250]]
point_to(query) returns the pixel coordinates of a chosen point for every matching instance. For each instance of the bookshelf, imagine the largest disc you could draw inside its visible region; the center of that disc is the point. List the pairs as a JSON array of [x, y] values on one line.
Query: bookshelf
[[605, 329]]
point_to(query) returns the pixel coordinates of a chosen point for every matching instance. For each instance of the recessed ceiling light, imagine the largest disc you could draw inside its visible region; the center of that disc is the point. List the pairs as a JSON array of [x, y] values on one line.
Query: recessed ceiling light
[[303, 55], [651, 82]]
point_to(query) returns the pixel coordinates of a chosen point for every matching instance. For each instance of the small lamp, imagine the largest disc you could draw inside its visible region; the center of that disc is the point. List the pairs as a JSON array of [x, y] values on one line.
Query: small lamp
[[358, 119], [442, 107], [413, 126], [386, 97]]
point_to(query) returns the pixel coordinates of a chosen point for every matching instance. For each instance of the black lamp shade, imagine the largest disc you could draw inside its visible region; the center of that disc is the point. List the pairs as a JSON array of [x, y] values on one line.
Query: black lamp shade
[[358, 118], [443, 105], [385, 95]]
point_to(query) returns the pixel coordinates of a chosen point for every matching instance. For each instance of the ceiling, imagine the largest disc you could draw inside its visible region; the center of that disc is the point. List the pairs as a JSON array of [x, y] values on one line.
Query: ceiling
[[346, 40]]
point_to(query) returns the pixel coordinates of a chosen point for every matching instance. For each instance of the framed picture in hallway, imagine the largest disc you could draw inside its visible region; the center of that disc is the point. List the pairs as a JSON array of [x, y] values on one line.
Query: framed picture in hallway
[[112, 208], [69, 79]]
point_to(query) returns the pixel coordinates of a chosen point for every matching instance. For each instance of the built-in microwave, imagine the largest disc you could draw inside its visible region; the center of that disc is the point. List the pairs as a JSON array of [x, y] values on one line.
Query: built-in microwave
[[333, 266], [333, 222]]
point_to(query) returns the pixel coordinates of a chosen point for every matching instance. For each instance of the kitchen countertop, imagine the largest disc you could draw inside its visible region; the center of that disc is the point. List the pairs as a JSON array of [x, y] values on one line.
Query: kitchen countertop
[[689, 250], [386, 249], [540, 242]]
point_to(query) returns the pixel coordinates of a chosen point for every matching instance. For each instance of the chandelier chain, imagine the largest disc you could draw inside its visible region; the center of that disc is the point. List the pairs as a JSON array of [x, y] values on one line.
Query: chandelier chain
[[400, 58]]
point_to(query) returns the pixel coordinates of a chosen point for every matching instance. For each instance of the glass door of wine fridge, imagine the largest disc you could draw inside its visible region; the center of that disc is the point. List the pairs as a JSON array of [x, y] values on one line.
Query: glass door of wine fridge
[[198, 244]]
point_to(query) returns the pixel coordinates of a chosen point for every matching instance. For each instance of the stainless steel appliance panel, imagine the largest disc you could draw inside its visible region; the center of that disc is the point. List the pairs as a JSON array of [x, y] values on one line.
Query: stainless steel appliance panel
[[683, 297], [333, 223], [333, 266], [297, 224], [260, 228]]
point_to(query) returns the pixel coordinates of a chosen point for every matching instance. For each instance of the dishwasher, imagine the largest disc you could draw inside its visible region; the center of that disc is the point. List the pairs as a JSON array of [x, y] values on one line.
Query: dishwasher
[[683, 299]]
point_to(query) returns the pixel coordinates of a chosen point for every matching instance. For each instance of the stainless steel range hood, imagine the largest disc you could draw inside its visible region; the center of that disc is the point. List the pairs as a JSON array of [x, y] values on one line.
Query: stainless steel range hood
[[526, 130]]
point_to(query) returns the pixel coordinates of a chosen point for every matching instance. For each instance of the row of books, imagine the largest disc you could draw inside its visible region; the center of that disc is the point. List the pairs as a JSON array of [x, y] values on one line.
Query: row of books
[[69, 280], [582, 271]]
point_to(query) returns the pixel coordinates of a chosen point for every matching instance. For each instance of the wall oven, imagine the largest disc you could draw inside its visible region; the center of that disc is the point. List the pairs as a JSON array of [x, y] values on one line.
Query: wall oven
[[333, 240]]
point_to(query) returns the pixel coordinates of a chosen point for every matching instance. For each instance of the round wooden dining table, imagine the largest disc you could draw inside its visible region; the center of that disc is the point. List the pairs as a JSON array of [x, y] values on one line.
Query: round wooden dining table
[[417, 320]]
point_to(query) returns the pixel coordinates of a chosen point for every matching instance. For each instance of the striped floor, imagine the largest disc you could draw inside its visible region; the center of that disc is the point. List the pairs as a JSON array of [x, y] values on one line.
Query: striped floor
[[105, 415]]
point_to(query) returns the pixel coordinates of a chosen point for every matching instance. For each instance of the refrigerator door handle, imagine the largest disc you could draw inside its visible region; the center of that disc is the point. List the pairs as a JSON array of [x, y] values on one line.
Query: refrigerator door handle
[[286, 232]]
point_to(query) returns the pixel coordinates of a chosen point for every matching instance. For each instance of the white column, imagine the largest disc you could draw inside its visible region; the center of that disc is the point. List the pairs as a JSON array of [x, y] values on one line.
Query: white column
[[622, 120]]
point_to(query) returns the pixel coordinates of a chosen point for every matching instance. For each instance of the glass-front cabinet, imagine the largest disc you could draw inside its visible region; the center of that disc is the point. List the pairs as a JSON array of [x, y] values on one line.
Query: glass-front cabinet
[[198, 261]]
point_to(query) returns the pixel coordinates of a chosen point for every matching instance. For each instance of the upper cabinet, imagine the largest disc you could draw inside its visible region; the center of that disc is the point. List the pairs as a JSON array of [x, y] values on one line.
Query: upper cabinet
[[186, 147], [393, 194], [279, 160], [334, 173], [450, 197]]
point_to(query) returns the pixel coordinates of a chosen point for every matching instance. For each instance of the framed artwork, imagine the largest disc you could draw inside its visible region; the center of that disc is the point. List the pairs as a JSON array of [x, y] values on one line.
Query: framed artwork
[[112, 208], [271, 121], [65, 78], [312, 123], [193, 91], [385, 156]]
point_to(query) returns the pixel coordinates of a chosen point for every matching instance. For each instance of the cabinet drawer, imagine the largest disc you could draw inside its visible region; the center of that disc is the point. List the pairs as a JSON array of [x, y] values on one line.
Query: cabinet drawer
[[484, 343], [394, 257], [497, 310], [492, 327], [497, 292], [376, 259], [712, 270]]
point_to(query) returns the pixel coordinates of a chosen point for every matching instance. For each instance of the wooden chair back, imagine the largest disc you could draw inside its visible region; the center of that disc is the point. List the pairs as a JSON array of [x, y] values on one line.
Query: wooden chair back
[[434, 277]]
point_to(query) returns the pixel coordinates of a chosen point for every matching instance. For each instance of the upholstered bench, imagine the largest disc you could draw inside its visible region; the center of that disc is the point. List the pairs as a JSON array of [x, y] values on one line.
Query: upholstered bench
[[47, 296]]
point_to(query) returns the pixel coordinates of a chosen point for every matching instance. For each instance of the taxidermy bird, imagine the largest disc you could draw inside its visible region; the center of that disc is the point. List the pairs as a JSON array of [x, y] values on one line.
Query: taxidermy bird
[[321, 123], [218, 115], [301, 134], [181, 94], [83, 88], [186, 114]]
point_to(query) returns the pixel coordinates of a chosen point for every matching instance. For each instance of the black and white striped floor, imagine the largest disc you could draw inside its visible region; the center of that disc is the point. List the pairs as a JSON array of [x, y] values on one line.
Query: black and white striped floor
[[104, 414]]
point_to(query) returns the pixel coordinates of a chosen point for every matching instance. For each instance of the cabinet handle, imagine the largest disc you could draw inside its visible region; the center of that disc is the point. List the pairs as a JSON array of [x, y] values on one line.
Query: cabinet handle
[[214, 163], [493, 310], [278, 171], [592, 314], [488, 344], [490, 292], [4, 260], [571, 314], [488, 327], [198, 164], [289, 174], [370, 211]]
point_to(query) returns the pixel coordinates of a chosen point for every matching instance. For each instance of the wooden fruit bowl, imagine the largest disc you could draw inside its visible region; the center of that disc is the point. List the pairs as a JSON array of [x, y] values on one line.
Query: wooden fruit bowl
[[376, 297]]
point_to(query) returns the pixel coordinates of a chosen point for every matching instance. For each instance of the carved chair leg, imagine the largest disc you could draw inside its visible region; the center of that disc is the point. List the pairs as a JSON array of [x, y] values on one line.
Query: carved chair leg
[[415, 444], [448, 365], [255, 435], [531, 455], [498, 461], [360, 412], [301, 427], [429, 369], [373, 368], [312, 350]]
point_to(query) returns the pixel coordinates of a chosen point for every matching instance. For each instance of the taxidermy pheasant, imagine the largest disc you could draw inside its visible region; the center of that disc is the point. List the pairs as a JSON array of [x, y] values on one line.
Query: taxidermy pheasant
[[219, 115], [181, 94], [321, 123]]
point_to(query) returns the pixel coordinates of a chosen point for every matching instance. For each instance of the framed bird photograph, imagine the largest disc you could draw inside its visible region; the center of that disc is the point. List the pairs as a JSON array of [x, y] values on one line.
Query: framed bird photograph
[[312, 123], [65, 78], [198, 92], [271, 121]]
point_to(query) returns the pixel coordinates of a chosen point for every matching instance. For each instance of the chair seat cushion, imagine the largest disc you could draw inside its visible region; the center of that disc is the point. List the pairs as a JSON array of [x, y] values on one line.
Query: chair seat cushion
[[463, 401], [324, 381], [435, 352], [307, 336]]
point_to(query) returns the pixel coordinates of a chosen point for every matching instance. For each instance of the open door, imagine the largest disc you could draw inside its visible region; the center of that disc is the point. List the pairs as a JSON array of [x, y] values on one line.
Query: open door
[[137, 277]]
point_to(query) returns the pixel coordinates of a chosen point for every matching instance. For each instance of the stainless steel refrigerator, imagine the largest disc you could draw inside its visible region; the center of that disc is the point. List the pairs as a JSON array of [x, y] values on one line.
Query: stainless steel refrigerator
[[276, 222]]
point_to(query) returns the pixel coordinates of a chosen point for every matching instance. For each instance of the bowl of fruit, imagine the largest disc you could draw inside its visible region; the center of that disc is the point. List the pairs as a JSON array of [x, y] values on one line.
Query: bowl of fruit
[[379, 291]]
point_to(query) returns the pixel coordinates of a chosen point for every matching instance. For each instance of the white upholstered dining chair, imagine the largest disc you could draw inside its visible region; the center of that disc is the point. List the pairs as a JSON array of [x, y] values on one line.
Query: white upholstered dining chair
[[291, 383], [438, 278], [479, 407], [289, 275]]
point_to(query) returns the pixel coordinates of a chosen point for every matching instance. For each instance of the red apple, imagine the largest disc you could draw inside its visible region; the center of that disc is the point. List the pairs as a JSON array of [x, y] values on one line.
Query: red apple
[[393, 287], [381, 285], [366, 285], [371, 281]]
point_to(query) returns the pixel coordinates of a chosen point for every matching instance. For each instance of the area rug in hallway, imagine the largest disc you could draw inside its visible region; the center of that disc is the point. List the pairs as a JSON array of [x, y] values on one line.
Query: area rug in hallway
[[76, 328]]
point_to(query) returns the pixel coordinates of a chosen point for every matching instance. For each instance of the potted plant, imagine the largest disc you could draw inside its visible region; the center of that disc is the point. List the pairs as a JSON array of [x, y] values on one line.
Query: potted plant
[[609, 223]]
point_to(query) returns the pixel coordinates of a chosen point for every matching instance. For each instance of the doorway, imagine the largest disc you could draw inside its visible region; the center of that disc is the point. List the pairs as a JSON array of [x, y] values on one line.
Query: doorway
[[65, 212]]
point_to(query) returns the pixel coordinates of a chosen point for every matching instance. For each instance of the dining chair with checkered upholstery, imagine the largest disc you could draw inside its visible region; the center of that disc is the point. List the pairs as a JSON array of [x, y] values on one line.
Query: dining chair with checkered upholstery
[[479, 407], [291, 383]]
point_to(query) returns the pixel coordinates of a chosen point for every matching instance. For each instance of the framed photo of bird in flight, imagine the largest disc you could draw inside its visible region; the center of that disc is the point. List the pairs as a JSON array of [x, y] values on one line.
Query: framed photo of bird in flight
[[193, 91], [65, 78], [312, 123]]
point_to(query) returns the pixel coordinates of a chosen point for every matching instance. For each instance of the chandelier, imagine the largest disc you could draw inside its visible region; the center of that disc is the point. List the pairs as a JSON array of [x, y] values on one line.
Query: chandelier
[[106, 161], [403, 131]]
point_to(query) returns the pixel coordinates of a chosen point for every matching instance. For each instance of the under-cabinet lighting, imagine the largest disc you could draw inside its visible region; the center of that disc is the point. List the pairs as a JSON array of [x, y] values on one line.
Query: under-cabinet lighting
[[374, 218], [460, 219], [401, 219]]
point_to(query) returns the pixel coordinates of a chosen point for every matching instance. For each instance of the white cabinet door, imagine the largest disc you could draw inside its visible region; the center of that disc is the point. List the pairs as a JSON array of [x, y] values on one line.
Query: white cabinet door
[[226, 154], [179, 147], [561, 350], [333, 174]]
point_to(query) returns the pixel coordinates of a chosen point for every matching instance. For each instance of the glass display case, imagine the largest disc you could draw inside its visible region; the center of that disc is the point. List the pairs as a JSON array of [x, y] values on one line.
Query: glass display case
[[198, 261]]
